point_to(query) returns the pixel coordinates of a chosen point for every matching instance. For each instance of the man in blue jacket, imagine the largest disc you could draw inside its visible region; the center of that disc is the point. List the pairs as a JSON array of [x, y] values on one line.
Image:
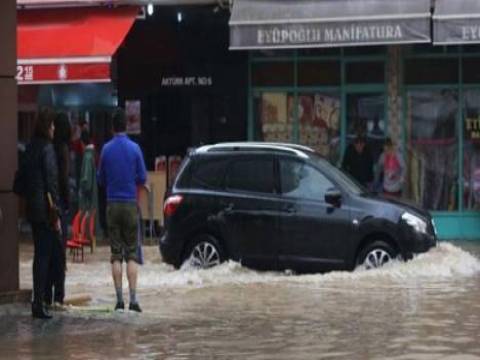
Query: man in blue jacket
[[121, 170]]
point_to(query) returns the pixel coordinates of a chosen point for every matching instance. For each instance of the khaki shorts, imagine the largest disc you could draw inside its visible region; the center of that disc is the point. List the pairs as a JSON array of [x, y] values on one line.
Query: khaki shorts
[[122, 228]]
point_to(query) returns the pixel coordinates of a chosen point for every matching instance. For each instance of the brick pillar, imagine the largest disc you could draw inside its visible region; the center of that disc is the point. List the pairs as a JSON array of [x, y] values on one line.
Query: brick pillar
[[9, 281]]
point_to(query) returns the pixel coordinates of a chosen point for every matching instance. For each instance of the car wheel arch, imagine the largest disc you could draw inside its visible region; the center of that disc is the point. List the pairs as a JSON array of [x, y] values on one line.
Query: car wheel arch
[[370, 239], [194, 236]]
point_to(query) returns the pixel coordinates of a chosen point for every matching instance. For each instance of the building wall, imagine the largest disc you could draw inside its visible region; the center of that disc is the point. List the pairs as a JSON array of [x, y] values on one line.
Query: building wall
[[8, 156]]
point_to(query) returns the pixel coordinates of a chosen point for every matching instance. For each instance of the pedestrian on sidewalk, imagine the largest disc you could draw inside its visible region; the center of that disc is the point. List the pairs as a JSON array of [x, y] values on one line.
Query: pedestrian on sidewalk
[[121, 170], [55, 290], [88, 186], [42, 206]]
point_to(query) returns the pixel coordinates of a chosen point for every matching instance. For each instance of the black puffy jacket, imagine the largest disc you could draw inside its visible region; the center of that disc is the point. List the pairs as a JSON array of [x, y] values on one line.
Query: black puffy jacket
[[42, 177]]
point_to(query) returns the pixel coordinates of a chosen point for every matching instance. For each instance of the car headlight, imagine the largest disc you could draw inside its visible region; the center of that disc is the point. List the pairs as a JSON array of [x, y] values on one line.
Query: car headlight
[[418, 224]]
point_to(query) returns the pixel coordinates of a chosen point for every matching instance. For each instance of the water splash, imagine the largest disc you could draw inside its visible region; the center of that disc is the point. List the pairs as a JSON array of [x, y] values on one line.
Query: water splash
[[444, 262]]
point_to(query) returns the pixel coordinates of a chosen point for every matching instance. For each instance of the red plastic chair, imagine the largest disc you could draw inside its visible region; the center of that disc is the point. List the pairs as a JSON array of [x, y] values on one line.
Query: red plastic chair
[[85, 240], [91, 228], [73, 243]]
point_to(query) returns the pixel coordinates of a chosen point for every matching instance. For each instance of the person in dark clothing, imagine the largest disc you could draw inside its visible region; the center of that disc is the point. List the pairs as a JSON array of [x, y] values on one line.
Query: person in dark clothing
[[42, 212], [61, 143], [358, 161]]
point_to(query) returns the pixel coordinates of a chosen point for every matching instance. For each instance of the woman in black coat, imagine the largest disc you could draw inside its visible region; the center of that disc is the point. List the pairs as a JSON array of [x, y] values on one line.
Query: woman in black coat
[[42, 182], [55, 290]]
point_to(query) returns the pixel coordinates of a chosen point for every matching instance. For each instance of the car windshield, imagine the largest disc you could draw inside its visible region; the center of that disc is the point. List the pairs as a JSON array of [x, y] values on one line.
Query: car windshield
[[340, 177]]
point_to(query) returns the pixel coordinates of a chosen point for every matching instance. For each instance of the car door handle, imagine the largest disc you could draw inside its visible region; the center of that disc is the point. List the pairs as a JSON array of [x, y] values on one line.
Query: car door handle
[[289, 209], [228, 207]]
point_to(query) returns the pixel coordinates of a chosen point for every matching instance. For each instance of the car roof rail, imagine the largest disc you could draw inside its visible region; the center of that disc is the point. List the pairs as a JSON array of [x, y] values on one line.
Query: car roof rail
[[295, 149]]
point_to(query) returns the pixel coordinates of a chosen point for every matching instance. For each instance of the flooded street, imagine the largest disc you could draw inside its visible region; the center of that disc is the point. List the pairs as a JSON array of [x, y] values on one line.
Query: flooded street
[[428, 308]]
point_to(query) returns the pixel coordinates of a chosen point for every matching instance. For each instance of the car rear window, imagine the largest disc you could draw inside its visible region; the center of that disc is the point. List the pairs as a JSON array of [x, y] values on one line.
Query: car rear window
[[252, 175], [207, 173]]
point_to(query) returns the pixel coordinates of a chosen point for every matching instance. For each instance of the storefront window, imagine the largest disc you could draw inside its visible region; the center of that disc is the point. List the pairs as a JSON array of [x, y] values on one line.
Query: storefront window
[[272, 74], [319, 73], [471, 150], [366, 72], [319, 123], [470, 68], [273, 116], [431, 71], [432, 149]]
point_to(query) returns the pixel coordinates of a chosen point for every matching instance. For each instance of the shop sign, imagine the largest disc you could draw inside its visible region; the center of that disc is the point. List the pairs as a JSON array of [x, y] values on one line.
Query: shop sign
[[24, 73], [187, 81], [329, 34], [472, 128], [456, 32], [62, 73], [304, 34]]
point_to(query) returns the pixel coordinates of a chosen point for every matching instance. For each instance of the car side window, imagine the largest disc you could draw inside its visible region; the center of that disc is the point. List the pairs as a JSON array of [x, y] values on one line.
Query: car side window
[[302, 180], [252, 175], [208, 174]]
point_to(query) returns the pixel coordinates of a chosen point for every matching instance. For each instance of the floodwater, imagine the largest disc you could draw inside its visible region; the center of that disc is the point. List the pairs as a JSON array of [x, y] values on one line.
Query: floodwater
[[428, 308]]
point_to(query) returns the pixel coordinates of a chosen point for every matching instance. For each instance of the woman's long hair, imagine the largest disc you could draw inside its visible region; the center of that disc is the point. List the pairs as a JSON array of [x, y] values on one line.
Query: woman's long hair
[[44, 121], [63, 129]]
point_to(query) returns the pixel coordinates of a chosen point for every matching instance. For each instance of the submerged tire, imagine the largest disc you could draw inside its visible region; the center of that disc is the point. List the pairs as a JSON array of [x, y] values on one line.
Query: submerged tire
[[203, 252], [376, 254]]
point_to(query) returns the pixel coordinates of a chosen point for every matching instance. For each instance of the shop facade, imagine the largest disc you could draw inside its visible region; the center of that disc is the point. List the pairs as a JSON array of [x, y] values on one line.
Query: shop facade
[[318, 82]]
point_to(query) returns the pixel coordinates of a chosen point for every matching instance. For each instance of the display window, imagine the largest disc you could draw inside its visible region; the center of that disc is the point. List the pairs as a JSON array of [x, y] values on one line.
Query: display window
[[432, 148], [274, 117], [471, 149]]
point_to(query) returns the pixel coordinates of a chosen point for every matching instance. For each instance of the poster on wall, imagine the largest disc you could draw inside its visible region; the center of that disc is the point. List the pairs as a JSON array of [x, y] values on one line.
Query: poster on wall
[[319, 116], [133, 112], [275, 124]]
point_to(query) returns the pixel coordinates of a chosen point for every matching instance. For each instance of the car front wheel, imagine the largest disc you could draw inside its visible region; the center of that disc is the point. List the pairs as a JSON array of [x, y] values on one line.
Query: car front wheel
[[203, 253], [375, 255]]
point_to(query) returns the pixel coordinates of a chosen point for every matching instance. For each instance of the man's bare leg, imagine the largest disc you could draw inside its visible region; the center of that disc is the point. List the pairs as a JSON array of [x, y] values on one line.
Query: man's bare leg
[[117, 281], [132, 273]]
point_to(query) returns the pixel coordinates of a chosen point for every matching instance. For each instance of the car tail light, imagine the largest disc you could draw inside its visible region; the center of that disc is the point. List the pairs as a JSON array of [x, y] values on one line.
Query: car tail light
[[171, 205]]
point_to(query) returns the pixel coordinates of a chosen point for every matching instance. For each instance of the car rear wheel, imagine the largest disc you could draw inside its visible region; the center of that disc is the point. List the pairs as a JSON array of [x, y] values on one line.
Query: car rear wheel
[[204, 252], [375, 255]]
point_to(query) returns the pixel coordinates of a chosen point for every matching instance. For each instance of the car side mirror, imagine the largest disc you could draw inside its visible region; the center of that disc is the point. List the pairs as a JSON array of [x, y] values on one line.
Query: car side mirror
[[333, 197]]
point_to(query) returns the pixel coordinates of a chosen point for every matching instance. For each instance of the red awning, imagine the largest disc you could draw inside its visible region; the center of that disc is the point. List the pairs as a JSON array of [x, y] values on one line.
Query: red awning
[[70, 44]]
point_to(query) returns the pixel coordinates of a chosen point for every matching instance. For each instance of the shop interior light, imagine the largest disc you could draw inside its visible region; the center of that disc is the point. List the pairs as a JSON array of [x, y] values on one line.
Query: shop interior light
[[150, 9], [179, 17]]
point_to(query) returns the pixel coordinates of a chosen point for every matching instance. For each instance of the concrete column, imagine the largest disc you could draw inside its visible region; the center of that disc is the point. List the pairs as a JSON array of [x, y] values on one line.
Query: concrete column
[[9, 278]]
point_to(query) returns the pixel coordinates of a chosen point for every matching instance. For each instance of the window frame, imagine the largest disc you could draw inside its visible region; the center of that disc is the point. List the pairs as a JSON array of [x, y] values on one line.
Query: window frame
[[256, 157], [307, 164]]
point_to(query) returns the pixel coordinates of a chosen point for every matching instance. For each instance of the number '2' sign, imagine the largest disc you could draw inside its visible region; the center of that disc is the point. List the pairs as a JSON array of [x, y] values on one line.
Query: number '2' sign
[[24, 73]]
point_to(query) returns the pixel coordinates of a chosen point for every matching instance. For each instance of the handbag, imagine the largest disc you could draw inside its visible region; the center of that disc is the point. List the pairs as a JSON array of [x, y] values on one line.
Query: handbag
[[53, 214]]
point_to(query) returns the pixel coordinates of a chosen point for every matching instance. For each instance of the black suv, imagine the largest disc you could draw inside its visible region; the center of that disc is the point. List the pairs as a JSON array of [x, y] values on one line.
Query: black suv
[[282, 206]]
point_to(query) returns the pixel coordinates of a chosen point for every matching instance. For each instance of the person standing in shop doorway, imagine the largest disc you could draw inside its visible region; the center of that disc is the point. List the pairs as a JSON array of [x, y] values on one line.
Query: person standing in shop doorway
[[121, 170], [358, 161], [392, 165]]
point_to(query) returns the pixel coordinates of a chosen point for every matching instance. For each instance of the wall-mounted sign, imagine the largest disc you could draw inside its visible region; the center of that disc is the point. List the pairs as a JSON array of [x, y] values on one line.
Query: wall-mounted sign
[[187, 81], [327, 23], [472, 128], [62, 73], [335, 34]]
